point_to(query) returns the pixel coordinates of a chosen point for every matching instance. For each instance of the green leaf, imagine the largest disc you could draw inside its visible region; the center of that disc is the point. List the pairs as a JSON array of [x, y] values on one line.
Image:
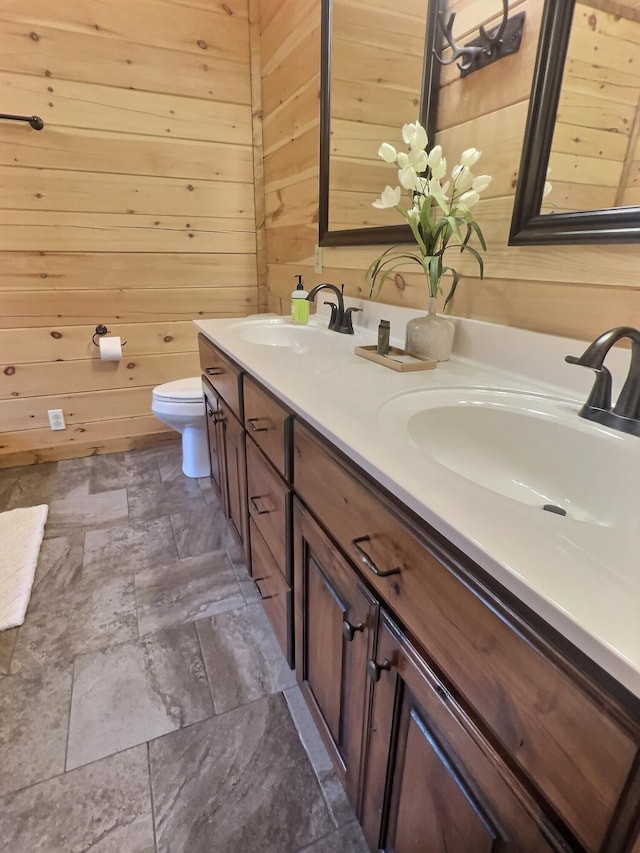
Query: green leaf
[[473, 224], [476, 254], [456, 278]]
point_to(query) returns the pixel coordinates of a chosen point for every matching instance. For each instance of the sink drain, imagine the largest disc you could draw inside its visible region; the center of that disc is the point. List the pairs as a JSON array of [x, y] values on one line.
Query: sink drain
[[558, 510]]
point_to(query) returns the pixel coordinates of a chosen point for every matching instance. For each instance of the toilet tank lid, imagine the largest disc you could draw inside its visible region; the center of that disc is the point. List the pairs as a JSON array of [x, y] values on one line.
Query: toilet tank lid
[[180, 389]]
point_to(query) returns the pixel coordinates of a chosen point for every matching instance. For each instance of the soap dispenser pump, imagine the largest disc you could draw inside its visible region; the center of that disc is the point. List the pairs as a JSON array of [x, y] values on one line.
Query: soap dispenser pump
[[299, 304]]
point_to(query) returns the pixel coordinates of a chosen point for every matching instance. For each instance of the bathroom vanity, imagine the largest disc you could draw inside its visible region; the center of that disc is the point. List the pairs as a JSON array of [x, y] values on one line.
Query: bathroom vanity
[[451, 643]]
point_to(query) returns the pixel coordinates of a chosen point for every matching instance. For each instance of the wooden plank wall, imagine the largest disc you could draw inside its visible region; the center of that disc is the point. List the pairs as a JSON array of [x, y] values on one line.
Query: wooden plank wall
[[577, 291], [134, 207]]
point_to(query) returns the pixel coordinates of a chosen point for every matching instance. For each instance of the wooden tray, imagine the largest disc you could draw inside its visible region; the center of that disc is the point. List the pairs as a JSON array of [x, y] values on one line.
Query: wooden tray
[[388, 360]]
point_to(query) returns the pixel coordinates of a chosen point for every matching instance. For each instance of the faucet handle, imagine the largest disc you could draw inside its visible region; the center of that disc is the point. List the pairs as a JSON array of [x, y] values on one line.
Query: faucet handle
[[334, 313], [347, 324], [600, 396]]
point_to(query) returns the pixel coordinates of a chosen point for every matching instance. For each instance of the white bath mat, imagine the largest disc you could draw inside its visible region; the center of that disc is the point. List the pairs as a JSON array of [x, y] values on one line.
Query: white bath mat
[[21, 532]]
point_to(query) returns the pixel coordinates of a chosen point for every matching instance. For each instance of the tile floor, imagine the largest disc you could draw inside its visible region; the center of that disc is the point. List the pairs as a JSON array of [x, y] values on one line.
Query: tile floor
[[145, 706]]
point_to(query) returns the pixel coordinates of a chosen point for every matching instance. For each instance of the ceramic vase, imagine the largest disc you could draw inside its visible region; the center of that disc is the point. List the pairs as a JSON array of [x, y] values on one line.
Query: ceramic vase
[[430, 336]]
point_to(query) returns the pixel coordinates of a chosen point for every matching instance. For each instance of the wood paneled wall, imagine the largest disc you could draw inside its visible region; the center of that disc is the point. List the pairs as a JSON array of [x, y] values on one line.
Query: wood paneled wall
[[136, 207], [577, 291]]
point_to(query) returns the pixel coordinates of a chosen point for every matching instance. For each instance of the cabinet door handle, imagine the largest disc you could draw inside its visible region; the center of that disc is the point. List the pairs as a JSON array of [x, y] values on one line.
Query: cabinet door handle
[[217, 417], [349, 630], [262, 597], [214, 371], [253, 424], [374, 669], [366, 559], [253, 500]]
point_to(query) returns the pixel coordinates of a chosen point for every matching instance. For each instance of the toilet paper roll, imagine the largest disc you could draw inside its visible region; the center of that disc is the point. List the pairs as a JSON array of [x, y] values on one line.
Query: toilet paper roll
[[110, 349]]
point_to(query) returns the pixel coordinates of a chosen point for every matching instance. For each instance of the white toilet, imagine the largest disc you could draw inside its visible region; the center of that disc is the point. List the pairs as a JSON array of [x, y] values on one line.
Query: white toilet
[[180, 405]]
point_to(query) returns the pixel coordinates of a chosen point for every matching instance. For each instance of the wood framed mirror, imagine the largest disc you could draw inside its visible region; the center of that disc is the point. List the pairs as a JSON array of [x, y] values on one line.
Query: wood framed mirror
[[583, 128], [378, 72]]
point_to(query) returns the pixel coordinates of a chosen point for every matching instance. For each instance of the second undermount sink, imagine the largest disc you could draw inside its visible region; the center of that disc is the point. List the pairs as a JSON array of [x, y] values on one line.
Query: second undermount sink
[[531, 448], [281, 332]]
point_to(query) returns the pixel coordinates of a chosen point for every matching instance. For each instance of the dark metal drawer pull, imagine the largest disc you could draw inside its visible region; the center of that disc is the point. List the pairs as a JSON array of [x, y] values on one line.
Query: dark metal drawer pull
[[254, 503], [349, 630], [366, 559], [252, 424], [214, 371]]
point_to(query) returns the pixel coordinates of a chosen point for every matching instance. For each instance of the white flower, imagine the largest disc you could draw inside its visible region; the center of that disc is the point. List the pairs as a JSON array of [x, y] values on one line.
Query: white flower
[[414, 135], [408, 177], [437, 190], [414, 215], [403, 159], [435, 156], [440, 170], [481, 183], [387, 152], [418, 160], [470, 157], [463, 178], [390, 197], [469, 198]]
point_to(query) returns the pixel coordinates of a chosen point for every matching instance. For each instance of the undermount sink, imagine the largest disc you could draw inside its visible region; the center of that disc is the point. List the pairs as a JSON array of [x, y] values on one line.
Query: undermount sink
[[531, 448], [280, 332]]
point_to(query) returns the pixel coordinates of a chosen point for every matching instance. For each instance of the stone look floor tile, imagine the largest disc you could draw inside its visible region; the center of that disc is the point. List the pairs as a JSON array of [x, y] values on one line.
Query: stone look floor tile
[[185, 590], [201, 531], [120, 470], [8, 484], [167, 498], [50, 481], [34, 712], [88, 614], [348, 839], [128, 694], [242, 657], [236, 782], [7, 645], [105, 509], [60, 562], [104, 807], [118, 549]]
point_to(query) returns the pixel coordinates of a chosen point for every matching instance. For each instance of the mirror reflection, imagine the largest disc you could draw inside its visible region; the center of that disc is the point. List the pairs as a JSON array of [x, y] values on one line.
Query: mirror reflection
[[595, 154], [376, 61]]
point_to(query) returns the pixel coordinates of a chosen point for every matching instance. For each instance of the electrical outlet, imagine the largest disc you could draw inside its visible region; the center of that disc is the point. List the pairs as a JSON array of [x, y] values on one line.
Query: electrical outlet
[[56, 419], [317, 261]]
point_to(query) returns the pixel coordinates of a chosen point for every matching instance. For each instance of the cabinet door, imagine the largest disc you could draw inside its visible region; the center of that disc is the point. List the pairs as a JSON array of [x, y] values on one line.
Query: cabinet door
[[334, 618], [236, 476], [431, 782], [216, 441]]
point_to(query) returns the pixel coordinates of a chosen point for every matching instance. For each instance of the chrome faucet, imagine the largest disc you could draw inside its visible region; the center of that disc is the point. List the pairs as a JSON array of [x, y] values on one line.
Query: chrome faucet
[[340, 319], [625, 415]]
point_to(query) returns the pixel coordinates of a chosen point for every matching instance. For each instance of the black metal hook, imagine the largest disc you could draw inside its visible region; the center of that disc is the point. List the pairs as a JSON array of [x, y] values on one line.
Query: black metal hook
[[100, 331], [35, 121], [503, 40]]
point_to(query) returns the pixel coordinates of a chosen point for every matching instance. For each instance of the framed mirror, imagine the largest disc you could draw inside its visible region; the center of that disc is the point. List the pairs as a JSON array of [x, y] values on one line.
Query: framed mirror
[[378, 72], [583, 128]]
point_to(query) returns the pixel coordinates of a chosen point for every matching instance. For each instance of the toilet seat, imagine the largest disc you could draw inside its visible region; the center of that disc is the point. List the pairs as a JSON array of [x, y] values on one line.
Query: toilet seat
[[180, 391]]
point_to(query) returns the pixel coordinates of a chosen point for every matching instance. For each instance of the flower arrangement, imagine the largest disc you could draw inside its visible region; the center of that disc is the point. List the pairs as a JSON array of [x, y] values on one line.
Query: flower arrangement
[[438, 214]]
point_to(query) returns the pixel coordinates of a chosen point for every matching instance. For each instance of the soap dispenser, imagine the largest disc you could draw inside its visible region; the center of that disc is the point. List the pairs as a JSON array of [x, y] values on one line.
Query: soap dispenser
[[299, 304]]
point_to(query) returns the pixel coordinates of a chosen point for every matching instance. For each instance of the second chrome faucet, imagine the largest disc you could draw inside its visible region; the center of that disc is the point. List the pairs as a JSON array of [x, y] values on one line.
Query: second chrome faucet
[[340, 319]]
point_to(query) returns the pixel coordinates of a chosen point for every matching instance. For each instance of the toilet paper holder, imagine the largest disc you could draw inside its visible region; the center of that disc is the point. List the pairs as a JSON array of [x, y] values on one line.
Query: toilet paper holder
[[100, 331]]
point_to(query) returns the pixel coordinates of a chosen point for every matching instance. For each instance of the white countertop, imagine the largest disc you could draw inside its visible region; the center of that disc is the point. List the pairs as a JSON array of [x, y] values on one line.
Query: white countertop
[[583, 579]]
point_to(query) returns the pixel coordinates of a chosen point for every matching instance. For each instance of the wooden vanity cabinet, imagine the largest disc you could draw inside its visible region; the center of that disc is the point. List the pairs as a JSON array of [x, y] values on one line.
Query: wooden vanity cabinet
[[228, 463], [223, 404], [269, 500], [561, 739], [432, 783], [335, 618]]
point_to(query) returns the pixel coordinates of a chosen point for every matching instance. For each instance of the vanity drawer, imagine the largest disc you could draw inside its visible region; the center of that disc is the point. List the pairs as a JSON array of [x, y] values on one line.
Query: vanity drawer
[[554, 724], [274, 591], [268, 423], [222, 373], [269, 506]]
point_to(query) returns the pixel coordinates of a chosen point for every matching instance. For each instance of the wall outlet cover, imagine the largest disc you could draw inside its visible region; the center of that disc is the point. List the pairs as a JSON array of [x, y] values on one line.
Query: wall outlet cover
[[56, 419]]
